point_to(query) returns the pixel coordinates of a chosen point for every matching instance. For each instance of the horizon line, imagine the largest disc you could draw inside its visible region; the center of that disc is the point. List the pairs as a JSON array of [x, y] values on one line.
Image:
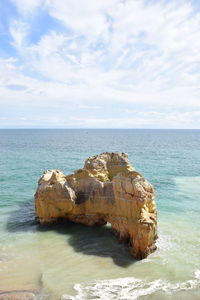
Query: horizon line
[[85, 128]]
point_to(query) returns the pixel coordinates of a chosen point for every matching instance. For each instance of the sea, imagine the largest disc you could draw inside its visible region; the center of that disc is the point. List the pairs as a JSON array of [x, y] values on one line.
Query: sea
[[74, 262]]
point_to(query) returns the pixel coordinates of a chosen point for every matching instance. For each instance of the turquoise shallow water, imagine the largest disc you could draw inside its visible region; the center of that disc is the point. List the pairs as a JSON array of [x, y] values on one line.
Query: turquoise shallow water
[[77, 262]]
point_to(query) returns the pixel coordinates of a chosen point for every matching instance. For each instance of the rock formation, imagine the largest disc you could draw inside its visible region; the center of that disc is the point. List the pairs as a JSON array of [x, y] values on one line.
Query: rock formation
[[107, 189], [17, 295]]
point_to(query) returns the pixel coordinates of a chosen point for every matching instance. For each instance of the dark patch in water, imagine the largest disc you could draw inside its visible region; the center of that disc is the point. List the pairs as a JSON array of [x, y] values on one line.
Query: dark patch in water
[[97, 241], [23, 218]]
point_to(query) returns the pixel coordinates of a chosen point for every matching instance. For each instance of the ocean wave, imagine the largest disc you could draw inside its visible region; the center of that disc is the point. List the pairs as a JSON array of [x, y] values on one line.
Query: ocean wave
[[129, 288]]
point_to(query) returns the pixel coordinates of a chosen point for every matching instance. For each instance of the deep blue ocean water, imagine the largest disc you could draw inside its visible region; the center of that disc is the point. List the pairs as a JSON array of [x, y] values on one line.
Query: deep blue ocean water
[[170, 159]]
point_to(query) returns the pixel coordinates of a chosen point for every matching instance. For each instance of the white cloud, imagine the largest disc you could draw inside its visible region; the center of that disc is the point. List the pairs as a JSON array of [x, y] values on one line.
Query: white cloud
[[143, 120], [18, 32], [27, 7], [86, 17], [111, 51]]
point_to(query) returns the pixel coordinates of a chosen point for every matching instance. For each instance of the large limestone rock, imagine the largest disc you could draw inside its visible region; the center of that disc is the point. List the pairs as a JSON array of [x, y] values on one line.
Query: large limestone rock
[[107, 189]]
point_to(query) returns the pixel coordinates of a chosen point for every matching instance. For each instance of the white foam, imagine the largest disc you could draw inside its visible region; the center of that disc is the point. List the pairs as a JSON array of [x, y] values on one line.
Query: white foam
[[164, 242], [129, 288]]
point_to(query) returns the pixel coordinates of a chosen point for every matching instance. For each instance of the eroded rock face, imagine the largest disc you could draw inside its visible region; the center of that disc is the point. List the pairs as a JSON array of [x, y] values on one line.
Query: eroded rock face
[[107, 189]]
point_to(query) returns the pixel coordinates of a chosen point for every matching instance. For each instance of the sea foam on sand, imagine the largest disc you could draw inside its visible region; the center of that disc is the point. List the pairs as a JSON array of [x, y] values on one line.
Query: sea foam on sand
[[129, 288]]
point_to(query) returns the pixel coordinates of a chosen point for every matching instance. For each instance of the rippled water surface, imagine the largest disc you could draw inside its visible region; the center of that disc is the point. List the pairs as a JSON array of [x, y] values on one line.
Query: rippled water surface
[[71, 261]]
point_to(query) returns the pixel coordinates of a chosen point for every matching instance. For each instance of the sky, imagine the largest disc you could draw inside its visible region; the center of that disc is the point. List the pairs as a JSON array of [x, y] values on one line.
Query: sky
[[100, 64]]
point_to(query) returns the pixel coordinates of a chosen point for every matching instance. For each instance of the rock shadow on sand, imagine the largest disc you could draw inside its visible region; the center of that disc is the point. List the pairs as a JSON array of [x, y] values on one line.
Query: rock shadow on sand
[[95, 241]]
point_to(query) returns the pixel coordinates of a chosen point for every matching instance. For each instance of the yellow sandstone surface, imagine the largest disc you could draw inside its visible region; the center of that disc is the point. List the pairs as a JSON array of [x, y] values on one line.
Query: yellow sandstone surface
[[107, 189]]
